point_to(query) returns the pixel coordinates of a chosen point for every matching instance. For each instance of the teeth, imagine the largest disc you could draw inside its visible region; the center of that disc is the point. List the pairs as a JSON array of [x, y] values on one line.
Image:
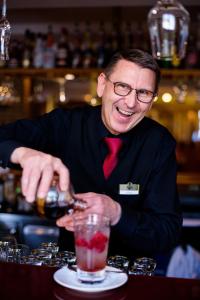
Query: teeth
[[127, 113]]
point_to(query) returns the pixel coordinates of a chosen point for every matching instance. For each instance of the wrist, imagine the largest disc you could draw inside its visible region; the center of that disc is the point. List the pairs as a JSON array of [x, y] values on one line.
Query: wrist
[[17, 154]]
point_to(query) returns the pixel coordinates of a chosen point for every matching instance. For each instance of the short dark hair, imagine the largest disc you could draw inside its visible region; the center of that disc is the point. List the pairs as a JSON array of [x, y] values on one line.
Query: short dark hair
[[139, 57]]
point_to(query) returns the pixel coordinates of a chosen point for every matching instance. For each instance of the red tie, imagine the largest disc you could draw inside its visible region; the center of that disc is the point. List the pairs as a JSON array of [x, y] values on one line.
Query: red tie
[[111, 160]]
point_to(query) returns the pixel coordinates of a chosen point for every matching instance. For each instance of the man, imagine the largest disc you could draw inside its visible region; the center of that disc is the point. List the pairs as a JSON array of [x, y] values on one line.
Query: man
[[140, 195]]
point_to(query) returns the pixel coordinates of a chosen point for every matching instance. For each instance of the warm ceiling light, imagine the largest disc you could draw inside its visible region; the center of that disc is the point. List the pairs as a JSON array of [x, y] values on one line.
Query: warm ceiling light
[[87, 97], [93, 101], [69, 76], [155, 99], [166, 97]]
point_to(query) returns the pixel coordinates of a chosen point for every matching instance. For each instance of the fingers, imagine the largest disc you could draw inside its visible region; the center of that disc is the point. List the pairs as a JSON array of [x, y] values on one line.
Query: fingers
[[45, 182], [29, 183], [47, 175], [102, 204], [25, 180], [86, 196], [64, 178], [38, 172], [67, 222], [96, 203]]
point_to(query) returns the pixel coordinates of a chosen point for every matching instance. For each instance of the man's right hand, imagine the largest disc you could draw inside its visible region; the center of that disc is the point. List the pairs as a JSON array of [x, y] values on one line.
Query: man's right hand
[[38, 171]]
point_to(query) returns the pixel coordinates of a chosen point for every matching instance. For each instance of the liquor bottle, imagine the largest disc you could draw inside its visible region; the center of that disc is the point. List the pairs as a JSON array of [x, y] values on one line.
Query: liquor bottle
[[127, 36], [99, 48], [100, 54], [191, 59], [75, 47], [9, 193], [198, 40], [27, 51], [2, 63], [77, 57], [62, 53], [87, 47], [22, 206], [108, 46], [115, 38], [56, 204], [87, 56], [1, 193], [50, 49], [38, 53], [15, 55]]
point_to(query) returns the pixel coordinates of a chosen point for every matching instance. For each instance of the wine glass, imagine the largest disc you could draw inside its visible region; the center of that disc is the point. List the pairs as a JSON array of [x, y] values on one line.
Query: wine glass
[[168, 23], [5, 32]]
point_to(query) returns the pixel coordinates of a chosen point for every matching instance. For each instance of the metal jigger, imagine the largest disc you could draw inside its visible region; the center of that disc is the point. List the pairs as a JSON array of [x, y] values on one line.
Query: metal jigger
[[168, 24], [5, 33]]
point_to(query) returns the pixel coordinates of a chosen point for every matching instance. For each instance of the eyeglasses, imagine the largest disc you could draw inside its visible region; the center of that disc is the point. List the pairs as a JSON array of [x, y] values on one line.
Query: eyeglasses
[[124, 89]]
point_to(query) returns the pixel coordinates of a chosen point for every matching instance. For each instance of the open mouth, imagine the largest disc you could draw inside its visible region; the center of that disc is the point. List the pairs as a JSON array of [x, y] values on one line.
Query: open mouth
[[124, 113]]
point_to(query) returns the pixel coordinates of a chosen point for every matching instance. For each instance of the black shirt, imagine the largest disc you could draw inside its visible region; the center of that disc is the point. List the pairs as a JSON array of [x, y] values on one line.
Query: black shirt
[[151, 220]]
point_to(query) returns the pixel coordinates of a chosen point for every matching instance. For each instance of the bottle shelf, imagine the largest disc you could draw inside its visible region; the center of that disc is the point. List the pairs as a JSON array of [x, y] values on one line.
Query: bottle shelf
[[55, 72]]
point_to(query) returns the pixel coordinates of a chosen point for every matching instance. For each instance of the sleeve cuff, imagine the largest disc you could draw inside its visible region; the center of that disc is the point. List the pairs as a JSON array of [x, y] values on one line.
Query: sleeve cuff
[[6, 149]]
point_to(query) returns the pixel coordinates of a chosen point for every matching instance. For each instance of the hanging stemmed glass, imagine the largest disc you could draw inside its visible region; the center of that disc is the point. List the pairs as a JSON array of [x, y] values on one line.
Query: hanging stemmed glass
[[168, 23], [5, 32]]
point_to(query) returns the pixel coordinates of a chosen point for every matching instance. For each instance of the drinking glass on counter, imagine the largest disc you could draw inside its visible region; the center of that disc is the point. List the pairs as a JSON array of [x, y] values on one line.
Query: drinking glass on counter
[[17, 252], [6, 241], [143, 266], [91, 233], [120, 262], [50, 247], [68, 257], [48, 254]]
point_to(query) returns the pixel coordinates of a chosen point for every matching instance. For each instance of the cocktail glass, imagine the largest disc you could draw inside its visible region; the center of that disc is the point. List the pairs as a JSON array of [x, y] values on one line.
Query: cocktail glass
[[92, 233]]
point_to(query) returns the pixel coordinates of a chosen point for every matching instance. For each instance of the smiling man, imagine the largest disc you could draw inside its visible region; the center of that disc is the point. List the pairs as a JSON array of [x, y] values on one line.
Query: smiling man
[[137, 191], [134, 90]]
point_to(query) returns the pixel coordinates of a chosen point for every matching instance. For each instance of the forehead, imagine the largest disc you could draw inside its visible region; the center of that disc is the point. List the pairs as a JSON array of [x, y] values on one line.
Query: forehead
[[129, 72]]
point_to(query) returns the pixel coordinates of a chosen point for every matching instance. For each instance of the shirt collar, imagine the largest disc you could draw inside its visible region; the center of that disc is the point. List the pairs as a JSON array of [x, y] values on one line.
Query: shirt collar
[[104, 132]]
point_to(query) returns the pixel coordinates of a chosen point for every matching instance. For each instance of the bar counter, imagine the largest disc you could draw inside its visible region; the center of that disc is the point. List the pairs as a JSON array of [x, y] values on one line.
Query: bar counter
[[36, 282]]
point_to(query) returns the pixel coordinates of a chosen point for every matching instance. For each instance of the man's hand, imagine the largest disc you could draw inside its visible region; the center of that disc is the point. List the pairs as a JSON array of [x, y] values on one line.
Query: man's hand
[[38, 171], [96, 203]]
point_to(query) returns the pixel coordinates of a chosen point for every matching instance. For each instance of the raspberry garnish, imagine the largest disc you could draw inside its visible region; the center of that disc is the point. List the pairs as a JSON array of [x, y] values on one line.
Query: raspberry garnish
[[81, 242], [97, 242]]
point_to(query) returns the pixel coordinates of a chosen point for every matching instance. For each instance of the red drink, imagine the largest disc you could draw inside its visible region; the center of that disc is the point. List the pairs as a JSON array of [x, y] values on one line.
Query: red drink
[[95, 249], [91, 243]]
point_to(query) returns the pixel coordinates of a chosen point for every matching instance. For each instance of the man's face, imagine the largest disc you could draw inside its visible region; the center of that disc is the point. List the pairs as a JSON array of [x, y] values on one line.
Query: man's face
[[122, 113]]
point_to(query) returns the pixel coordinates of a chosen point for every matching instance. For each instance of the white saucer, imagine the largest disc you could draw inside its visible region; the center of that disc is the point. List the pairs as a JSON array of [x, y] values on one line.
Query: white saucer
[[68, 278]]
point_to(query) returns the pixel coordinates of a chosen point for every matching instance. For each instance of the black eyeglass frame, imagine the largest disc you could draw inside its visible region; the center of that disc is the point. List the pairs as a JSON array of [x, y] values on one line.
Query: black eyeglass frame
[[131, 89]]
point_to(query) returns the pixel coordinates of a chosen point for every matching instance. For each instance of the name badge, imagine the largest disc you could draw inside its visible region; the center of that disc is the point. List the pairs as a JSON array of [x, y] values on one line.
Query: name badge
[[129, 189]]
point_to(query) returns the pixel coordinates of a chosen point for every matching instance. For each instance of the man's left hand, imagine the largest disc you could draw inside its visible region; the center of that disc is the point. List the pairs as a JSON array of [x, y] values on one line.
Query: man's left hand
[[96, 203]]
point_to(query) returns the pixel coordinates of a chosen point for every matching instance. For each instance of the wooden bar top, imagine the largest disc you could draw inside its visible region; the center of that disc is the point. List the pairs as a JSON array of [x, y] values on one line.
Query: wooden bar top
[[27, 282]]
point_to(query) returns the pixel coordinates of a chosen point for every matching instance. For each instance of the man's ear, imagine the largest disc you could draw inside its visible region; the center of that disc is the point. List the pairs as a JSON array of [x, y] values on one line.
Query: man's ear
[[100, 84], [150, 105]]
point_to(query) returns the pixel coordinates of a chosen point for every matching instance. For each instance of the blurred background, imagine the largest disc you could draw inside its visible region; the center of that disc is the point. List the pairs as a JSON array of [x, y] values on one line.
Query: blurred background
[[57, 49]]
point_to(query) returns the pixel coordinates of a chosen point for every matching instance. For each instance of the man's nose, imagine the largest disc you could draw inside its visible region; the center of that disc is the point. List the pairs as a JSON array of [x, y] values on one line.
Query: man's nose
[[131, 99]]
